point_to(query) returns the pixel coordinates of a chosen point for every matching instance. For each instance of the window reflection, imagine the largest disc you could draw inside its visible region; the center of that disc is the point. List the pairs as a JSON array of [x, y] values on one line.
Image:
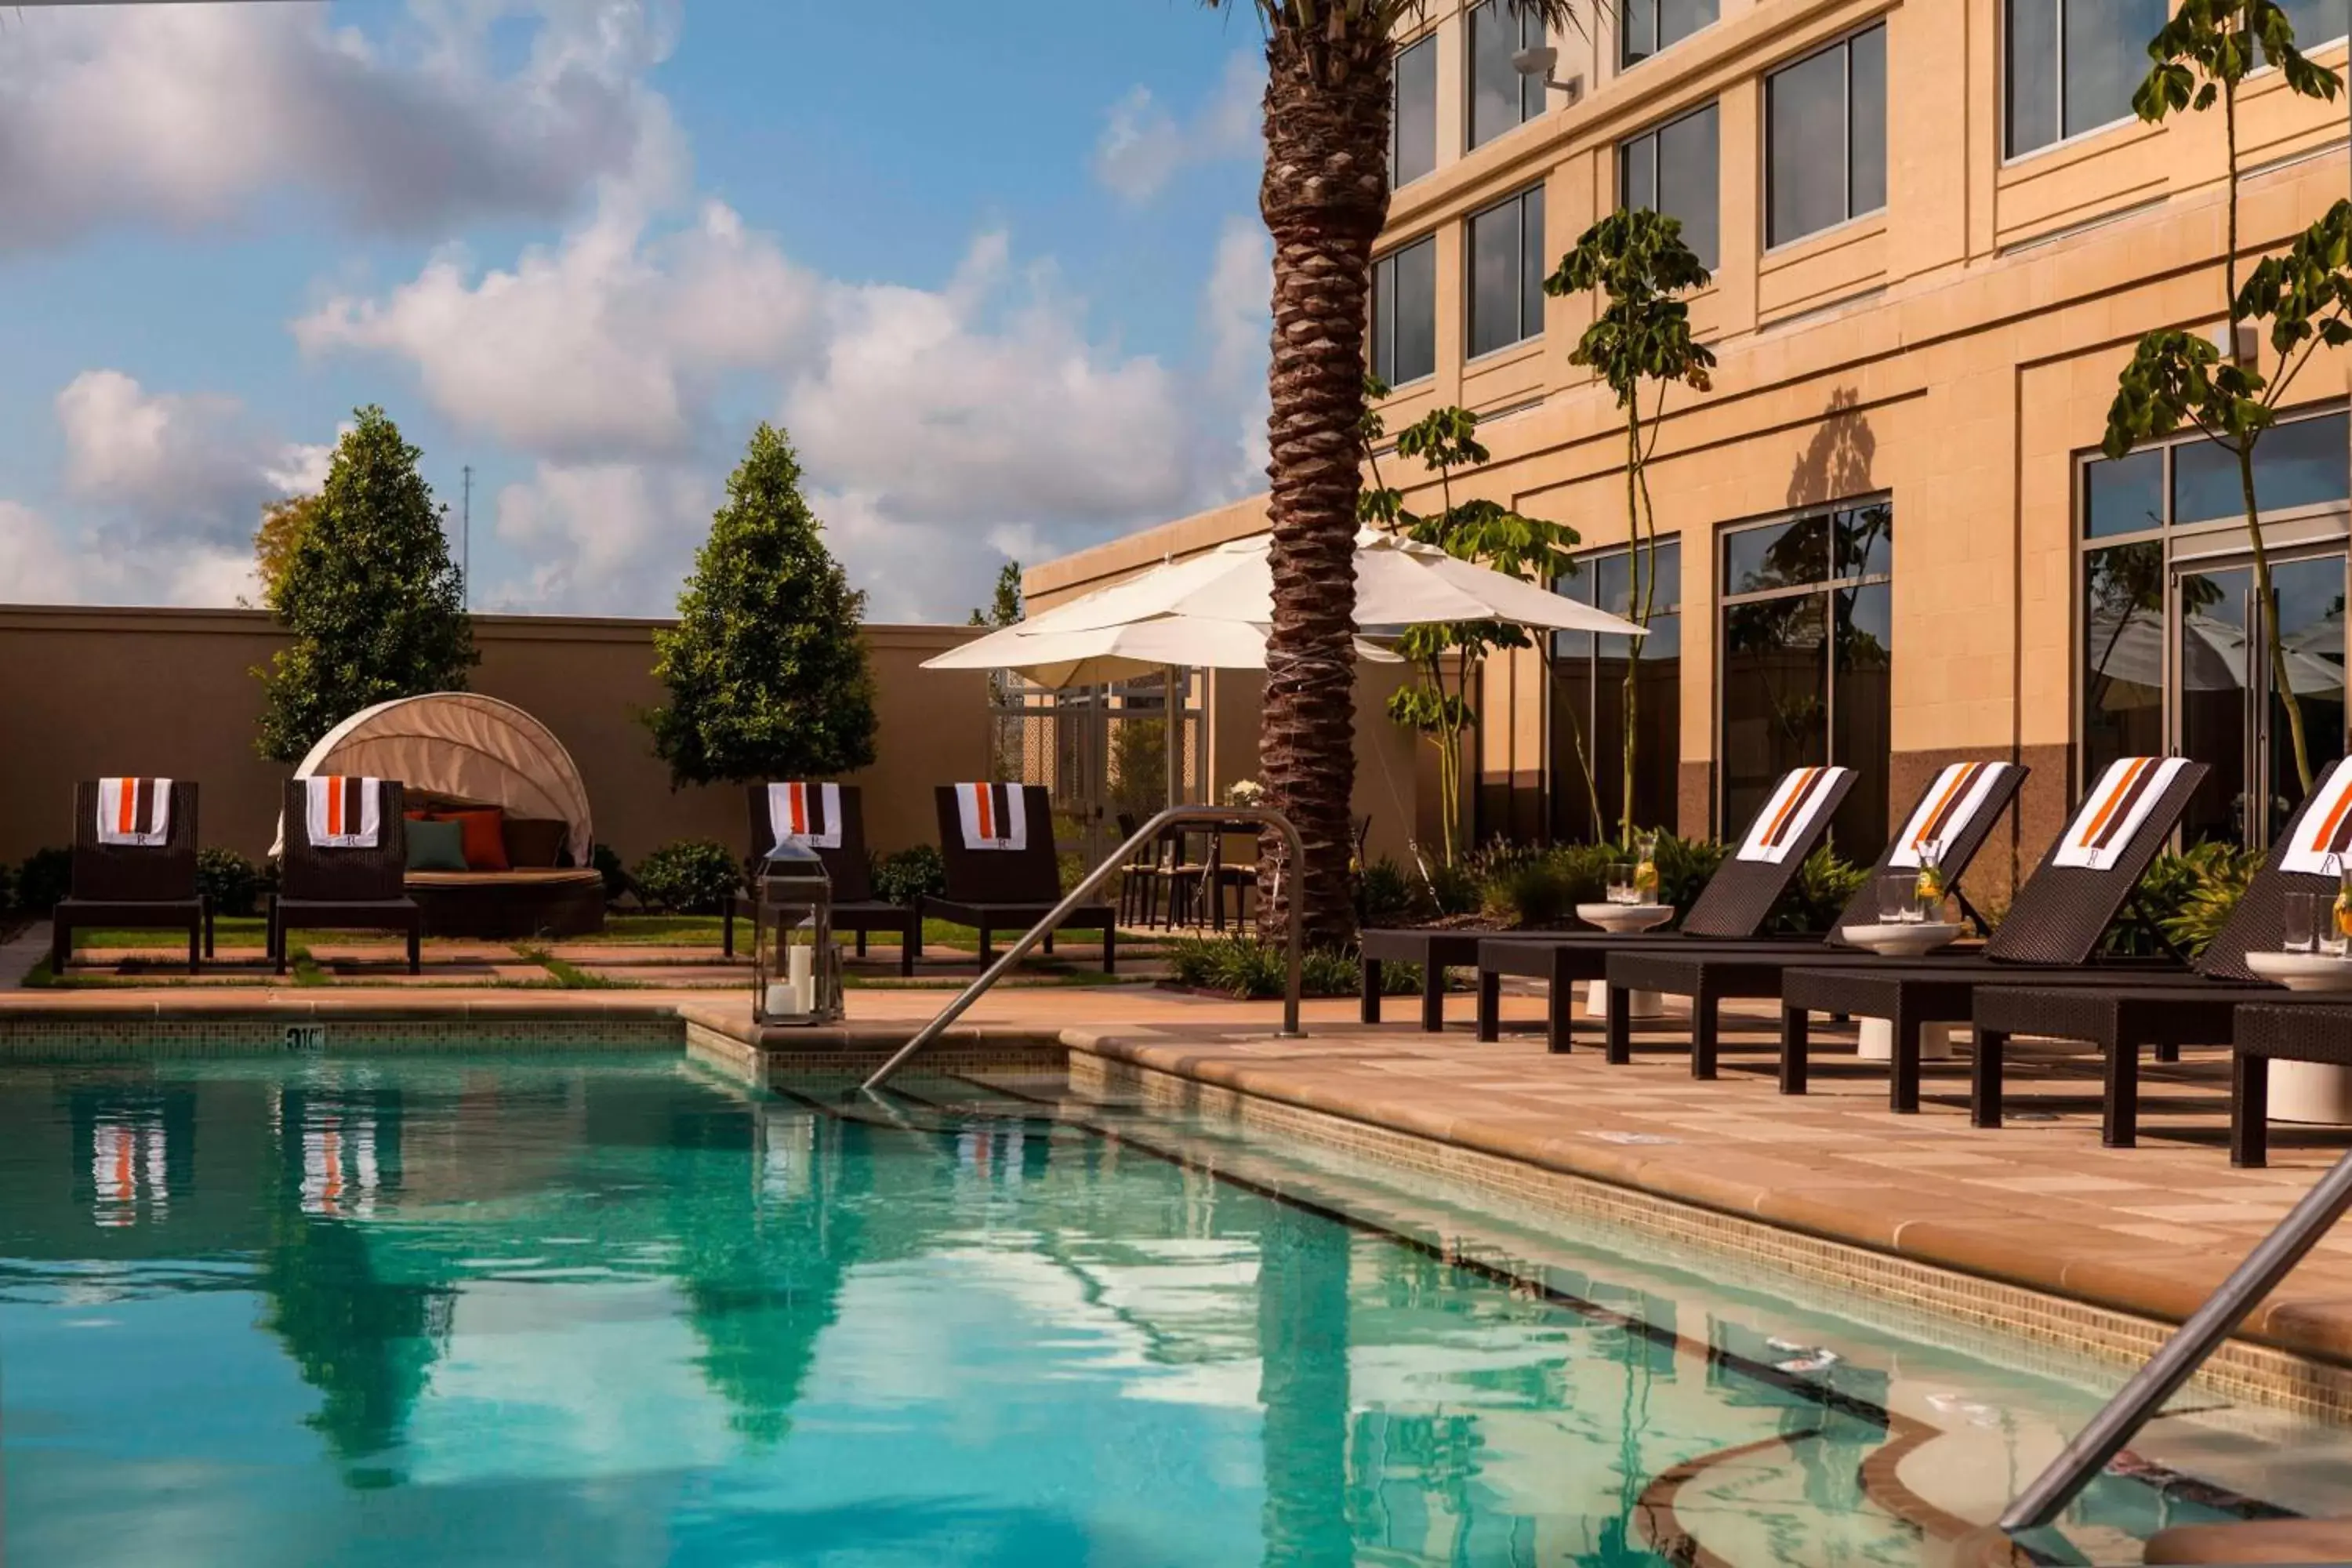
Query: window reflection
[[2123, 654], [1588, 700]]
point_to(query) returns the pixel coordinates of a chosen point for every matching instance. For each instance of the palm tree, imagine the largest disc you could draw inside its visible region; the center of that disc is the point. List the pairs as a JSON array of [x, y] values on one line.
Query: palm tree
[[1325, 195]]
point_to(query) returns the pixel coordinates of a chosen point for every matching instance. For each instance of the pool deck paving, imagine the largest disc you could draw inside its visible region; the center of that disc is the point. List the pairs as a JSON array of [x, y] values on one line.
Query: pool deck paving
[[2037, 1205]]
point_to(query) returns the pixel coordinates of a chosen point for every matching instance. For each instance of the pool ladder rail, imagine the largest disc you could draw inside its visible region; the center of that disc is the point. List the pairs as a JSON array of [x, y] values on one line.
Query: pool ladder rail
[[2271, 1261], [1091, 884]]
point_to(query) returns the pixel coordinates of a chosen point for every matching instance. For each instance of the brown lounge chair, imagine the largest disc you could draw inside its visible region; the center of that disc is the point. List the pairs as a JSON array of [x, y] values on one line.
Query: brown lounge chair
[[1010, 889], [1711, 973], [2197, 1009], [2277, 1031], [345, 889], [2050, 935], [854, 906], [1734, 905], [133, 886]]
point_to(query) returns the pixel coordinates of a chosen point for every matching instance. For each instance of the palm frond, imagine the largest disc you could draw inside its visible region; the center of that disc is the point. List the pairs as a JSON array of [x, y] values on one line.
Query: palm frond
[[1339, 17]]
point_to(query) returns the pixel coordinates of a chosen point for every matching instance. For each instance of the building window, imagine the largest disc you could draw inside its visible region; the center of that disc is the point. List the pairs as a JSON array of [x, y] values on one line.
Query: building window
[[1807, 649], [1673, 170], [2174, 646], [1506, 273], [2316, 23], [1404, 313], [1412, 117], [1826, 150], [1500, 97], [1645, 27], [2073, 65], [1588, 700]]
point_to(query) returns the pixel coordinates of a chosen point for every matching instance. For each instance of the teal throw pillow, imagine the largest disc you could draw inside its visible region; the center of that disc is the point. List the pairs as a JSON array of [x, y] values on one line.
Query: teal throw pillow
[[437, 847]]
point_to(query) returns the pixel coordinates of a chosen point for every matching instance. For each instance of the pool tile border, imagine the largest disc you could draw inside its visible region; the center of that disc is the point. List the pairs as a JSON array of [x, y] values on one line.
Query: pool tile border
[[1169, 1079]]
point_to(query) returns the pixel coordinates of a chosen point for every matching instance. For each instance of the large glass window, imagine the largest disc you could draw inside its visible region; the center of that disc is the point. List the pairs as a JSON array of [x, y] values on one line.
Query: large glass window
[[1588, 729], [2073, 65], [2316, 21], [1500, 97], [1506, 272], [1826, 142], [2174, 641], [1807, 650], [1412, 117], [1645, 27], [1674, 170], [1404, 313]]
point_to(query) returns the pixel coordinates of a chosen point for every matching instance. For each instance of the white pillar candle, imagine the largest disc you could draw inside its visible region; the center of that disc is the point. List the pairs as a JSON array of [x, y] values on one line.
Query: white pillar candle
[[799, 974], [780, 999]]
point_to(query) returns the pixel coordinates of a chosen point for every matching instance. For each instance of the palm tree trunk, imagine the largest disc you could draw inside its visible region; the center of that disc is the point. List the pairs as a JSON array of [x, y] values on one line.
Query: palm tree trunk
[[1324, 196]]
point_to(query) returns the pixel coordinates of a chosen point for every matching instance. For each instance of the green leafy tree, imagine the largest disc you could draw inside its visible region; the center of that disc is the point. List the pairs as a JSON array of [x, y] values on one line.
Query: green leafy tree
[[369, 593], [1636, 263], [283, 524], [2179, 378], [766, 670], [1324, 195], [1447, 656], [1004, 607]]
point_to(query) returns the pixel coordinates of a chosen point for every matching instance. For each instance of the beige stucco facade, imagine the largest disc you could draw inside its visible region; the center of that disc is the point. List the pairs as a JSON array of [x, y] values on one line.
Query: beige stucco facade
[[1956, 351], [92, 692]]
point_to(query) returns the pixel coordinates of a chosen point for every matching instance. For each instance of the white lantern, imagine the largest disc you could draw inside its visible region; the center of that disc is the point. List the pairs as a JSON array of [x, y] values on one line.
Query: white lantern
[[795, 969]]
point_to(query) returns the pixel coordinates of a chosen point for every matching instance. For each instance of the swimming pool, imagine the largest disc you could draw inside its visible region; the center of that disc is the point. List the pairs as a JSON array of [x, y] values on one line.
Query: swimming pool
[[455, 1311]]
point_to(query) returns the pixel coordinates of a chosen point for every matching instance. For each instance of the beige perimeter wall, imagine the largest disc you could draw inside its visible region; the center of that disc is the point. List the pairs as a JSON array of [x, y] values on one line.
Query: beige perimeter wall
[[88, 693]]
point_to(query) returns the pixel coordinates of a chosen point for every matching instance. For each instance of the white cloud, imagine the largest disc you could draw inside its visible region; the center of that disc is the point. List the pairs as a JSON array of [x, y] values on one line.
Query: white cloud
[[194, 114], [1237, 319], [605, 345], [192, 466], [602, 538], [42, 563], [1143, 147]]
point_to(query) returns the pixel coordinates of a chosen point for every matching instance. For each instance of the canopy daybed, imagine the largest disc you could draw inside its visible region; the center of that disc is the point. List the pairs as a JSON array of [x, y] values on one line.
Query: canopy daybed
[[459, 750]]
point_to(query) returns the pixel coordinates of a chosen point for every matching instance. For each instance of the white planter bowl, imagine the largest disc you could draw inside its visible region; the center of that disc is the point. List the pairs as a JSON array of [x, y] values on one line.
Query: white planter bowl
[[2303, 971], [1625, 917], [1909, 939]]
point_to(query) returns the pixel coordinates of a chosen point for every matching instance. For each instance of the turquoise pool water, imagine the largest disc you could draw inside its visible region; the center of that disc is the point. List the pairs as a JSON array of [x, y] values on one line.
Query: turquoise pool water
[[425, 1311]]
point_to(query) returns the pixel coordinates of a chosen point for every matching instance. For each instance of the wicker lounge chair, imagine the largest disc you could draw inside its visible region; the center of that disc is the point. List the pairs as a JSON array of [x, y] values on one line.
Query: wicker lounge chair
[[2050, 935], [855, 909], [134, 887], [2277, 1030], [2193, 1010], [1010, 889], [1734, 905], [1711, 973], [345, 889]]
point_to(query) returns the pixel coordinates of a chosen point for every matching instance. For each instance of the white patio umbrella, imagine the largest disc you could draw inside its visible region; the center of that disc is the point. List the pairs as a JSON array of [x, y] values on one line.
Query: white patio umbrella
[[1398, 584], [1055, 655]]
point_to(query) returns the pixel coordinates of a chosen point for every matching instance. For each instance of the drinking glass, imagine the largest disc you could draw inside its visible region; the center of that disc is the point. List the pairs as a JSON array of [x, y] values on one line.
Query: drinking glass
[[1898, 900], [1621, 882], [2300, 914]]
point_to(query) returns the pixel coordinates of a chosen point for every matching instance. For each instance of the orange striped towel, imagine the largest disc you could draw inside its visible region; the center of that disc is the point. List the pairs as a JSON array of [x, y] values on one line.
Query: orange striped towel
[[2323, 839], [1789, 816], [993, 815], [2110, 814], [134, 811], [342, 811], [806, 814], [1950, 804]]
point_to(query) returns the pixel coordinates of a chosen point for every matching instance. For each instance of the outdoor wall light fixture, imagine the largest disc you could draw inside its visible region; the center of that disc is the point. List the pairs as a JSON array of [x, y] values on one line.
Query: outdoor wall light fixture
[[1538, 62]]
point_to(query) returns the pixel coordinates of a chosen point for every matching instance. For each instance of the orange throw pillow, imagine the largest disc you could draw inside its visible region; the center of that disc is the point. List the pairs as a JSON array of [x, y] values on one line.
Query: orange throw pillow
[[485, 841]]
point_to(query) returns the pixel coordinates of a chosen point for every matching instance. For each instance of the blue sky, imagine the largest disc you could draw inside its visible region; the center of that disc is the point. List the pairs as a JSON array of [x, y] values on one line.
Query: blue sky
[[996, 268]]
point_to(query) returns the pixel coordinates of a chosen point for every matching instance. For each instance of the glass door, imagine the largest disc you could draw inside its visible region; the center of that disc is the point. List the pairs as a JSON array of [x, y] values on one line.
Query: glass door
[[2227, 711]]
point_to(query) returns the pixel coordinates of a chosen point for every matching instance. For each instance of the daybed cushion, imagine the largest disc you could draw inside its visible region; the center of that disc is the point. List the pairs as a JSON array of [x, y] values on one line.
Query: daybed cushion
[[535, 842], [485, 840], [437, 847]]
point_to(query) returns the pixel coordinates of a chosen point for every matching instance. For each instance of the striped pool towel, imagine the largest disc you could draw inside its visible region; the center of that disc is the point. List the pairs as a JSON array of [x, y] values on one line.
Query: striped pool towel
[[342, 811], [1781, 825], [1959, 794], [995, 815], [2103, 829], [2323, 839], [806, 814], [134, 811]]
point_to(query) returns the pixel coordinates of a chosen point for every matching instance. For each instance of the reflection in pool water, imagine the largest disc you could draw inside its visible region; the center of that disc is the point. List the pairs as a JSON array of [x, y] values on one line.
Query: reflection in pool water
[[454, 1311]]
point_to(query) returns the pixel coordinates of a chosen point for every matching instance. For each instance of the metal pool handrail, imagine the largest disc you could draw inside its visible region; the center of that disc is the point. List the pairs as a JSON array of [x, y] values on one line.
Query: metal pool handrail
[[1262, 816], [2271, 1261]]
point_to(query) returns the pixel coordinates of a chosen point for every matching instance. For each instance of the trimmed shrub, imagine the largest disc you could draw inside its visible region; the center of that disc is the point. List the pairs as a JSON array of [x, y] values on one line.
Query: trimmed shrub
[[690, 877], [1817, 895], [229, 882], [606, 861], [7, 888], [2188, 896], [1245, 966], [45, 877], [906, 875], [1684, 867], [1383, 894]]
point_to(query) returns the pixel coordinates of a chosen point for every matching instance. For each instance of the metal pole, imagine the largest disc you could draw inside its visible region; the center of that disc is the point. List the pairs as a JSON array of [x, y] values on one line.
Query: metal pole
[[466, 543], [2113, 1425], [1264, 815]]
